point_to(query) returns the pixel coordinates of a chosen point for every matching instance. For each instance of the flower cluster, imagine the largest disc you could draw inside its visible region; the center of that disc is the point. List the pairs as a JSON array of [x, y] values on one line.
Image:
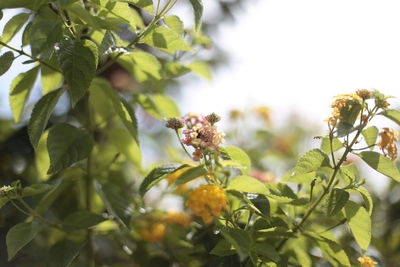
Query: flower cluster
[[366, 261], [201, 134], [179, 218], [153, 232], [340, 102], [387, 142], [207, 201]]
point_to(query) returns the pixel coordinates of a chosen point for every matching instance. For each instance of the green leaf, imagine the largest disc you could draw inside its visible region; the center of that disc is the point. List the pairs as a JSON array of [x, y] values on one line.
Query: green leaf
[[67, 145], [142, 65], [359, 222], [247, 184], [381, 164], [43, 35], [41, 114], [3, 201], [159, 106], [190, 174], [392, 114], [145, 4], [81, 220], [267, 250], [369, 203], [6, 61], [166, 40], [198, 12], [174, 23], [50, 79], [107, 45], [31, 4], [117, 201], [19, 236], [262, 204], [175, 70], [238, 157], [223, 248], [201, 68], [337, 199], [311, 161], [156, 175], [63, 253], [370, 134], [326, 145], [331, 249], [124, 111], [20, 89], [78, 61], [240, 240], [35, 189], [300, 178], [125, 143], [13, 26]]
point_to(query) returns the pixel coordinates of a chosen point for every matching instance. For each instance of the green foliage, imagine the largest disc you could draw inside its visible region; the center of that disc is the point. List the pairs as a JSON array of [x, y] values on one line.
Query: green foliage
[[311, 161], [392, 114], [370, 134], [337, 199], [247, 184], [13, 26], [6, 61], [63, 253], [67, 145], [237, 158], [381, 164], [19, 236], [81, 220], [190, 174]]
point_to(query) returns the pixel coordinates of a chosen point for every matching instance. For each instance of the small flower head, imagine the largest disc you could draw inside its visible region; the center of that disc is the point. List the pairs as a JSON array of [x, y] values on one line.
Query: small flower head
[[213, 118], [366, 261], [179, 218], [175, 123], [264, 112], [388, 142], [234, 114], [341, 101], [6, 190], [153, 232], [207, 201], [364, 94], [201, 135]]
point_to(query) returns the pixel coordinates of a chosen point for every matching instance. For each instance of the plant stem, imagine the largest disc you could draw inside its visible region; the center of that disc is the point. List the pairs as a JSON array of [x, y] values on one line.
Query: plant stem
[[34, 214], [183, 146], [21, 52], [297, 227]]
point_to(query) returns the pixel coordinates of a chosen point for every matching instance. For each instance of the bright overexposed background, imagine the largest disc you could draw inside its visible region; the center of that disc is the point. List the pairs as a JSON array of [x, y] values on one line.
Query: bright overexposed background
[[293, 55]]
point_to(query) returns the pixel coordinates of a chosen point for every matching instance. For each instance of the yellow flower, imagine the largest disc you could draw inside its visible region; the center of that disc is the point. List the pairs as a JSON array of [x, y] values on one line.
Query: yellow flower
[[339, 103], [153, 232], [179, 218], [387, 142], [366, 261], [207, 201], [264, 112], [172, 177], [364, 93]]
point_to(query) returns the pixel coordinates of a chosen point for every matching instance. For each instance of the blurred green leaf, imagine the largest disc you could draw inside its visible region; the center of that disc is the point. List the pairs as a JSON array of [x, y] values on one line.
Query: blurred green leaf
[[190, 174], [392, 114], [174, 23], [63, 253], [6, 61], [81, 220], [166, 40], [41, 114], [50, 79], [326, 145], [13, 26], [198, 12], [156, 175], [20, 89], [240, 240], [370, 134], [67, 145], [311, 161], [201, 68], [381, 164], [359, 222], [142, 65], [267, 250], [331, 249], [35, 189], [237, 157], [337, 199], [247, 184], [145, 4], [78, 61], [43, 35], [19, 236], [223, 248], [126, 144]]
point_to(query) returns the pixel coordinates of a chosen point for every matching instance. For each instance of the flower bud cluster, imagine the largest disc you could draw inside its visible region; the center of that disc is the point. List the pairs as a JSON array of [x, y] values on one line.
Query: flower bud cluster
[[388, 142], [153, 231], [340, 102], [179, 218], [201, 134], [207, 201]]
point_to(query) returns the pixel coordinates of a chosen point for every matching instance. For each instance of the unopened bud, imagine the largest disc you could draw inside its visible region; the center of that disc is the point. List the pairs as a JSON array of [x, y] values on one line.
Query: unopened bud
[[213, 118], [175, 123]]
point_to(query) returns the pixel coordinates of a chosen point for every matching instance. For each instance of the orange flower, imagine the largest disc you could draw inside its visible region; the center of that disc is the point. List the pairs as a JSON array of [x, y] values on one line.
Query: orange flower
[[207, 201], [153, 232], [366, 261], [387, 142], [179, 218]]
